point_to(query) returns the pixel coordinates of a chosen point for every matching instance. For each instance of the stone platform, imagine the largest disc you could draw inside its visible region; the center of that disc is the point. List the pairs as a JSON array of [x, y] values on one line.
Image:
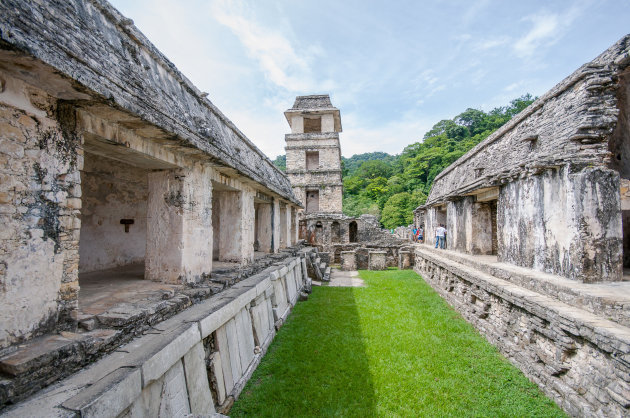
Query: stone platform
[[570, 338], [116, 306]]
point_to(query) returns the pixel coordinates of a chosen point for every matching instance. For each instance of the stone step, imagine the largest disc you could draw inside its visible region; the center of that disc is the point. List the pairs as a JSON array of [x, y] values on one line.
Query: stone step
[[52, 349], [326, 277]]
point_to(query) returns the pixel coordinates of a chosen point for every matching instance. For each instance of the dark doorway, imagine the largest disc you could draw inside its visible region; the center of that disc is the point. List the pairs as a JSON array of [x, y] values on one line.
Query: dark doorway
[[335, 232], [352, 232]]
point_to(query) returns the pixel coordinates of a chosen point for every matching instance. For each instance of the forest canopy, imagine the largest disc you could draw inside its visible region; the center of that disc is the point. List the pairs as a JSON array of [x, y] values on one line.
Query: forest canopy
[[392, 186]]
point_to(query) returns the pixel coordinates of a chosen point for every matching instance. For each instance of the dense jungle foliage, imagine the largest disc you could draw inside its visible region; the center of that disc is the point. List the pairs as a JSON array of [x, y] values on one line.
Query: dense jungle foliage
[[392, 186]]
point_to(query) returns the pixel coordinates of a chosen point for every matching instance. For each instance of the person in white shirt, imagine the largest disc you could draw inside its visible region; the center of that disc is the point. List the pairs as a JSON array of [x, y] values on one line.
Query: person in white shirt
[[440, 235]]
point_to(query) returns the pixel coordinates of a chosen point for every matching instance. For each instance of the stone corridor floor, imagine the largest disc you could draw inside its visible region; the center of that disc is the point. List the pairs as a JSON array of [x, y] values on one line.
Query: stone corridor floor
[[390, 348], [340, 278], [103, 290]]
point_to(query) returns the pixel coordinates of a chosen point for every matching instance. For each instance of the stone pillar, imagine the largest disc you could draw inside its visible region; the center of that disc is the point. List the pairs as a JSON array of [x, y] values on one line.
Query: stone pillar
[[264, 227], [290, 238], [230, 228], [276, 225], [283, 225], [294, 225], [179, 228], [247, 226], [404, 260], [377, 260], [348, 260]]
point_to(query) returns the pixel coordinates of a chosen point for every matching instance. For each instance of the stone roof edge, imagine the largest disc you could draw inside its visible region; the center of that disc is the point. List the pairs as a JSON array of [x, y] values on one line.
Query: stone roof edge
[[126, 26], [109, 9], [622, 59]]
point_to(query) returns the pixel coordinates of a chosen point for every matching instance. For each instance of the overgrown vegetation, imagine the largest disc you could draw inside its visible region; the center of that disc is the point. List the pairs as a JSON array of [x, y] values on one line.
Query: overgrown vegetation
[[393, 348], [391, 186]]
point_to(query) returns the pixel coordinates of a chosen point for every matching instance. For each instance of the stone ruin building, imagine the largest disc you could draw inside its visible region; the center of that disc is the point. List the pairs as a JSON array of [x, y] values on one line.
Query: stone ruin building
[[148, 249], [127, 197], [538, 238], [313, 155]]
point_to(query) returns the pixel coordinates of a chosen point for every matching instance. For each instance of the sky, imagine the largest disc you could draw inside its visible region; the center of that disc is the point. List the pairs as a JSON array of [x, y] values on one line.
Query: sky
[[394, 68]]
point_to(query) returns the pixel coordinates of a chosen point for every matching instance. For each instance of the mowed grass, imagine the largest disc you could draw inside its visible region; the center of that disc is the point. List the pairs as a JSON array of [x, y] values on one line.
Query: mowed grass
[[393, 348]]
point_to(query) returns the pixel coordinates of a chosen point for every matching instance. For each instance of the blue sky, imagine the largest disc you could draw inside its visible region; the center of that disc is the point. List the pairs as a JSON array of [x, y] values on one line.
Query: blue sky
[[393, 68]]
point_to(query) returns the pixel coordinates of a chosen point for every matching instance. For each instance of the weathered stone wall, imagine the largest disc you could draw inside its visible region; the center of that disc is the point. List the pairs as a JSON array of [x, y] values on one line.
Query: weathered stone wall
[[39, 212], [112, 191], [197, 362], [563, 222], [577, 357]]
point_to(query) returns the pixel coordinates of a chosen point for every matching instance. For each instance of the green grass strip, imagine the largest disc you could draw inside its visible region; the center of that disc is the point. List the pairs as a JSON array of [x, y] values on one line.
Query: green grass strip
[[393, 348]]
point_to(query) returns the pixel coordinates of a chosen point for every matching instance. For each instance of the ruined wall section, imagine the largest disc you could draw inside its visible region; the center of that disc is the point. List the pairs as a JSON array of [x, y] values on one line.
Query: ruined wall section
[[569, 125], [39, 212], [137, 78], [112, 191]]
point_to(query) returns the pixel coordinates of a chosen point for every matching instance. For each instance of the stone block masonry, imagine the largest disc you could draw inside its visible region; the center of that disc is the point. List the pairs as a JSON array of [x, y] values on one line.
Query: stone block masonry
[[577, 357], [348, 260], [377, 260], [196, 362]]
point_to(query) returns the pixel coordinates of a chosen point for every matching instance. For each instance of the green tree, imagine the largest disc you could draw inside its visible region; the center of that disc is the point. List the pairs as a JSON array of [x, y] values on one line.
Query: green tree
[[396, 211], [374, 169], [281, 162]]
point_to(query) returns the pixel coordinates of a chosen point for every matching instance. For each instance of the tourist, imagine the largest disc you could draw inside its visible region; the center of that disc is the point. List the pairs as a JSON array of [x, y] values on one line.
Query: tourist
[[413, 237], [420, 235], [440, 236]]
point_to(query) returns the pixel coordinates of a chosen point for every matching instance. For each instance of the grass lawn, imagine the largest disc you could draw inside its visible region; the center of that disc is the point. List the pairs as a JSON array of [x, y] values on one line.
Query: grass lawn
[[393, 348]]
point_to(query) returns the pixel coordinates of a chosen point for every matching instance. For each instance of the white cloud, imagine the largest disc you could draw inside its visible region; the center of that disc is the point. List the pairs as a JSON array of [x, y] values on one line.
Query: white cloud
[[491, 43], [391, 137], [281, 62], [547, 29], [544, 30]]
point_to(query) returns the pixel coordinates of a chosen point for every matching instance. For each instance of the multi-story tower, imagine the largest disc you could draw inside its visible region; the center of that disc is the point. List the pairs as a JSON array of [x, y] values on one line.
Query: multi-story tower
[[313, 153]]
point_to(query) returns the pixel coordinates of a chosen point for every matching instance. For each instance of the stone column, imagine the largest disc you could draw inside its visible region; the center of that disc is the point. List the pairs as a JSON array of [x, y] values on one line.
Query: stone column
[[276, 225], [290, 239], [294, 225], [230, 229], [247, 226], [179, 226], [283, 225], [264, 227]]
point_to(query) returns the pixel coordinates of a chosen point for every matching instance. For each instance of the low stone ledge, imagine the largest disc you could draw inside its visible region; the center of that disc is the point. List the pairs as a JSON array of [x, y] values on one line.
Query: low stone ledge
[[162, 359], [579, 359], [33, 370], [610, 300]]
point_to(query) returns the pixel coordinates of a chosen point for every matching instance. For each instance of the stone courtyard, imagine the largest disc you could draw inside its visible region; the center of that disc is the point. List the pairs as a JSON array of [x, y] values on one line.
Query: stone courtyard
[[150, 251]]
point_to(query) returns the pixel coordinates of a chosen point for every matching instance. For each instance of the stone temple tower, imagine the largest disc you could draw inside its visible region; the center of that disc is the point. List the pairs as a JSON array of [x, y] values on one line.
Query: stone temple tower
[[313, 153]]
